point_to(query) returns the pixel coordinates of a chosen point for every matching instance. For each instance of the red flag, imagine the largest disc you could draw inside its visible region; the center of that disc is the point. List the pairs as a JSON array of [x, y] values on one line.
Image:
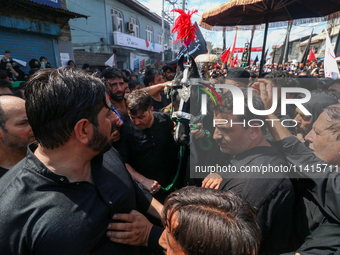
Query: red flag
[[232, 52], [225, 55], [311, 55], [236, 60]]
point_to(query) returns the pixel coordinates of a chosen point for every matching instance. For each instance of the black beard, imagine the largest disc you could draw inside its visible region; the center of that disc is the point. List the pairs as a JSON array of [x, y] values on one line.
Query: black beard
[[99, 141], [116, 98]]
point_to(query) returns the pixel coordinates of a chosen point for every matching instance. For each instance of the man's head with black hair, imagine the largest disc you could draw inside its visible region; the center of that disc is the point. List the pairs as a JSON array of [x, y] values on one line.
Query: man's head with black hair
[[237, 138], [168, 72], [71, 64], [152, 77], [202, 221], [114, 82], [34, 63], [43, 59]]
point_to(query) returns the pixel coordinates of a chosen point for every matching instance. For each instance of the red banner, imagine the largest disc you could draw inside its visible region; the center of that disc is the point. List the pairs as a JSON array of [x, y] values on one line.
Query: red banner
[[253, 49], [142, 64]]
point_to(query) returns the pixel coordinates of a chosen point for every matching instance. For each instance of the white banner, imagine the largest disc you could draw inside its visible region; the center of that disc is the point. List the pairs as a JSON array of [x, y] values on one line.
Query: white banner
[[138, 61], [111, 62], [135, 42], [23, 63], [330, 65]]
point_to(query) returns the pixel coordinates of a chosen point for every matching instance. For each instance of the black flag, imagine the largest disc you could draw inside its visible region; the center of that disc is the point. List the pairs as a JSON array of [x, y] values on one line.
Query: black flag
[[251, 44], [256, 59], [306, 51], [199, 46]]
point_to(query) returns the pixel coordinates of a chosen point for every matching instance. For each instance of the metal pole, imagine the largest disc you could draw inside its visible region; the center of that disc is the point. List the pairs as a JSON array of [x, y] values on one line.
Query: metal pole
[[264, 46], [224, 40], [183, 5], [285, 56], [163, 31]]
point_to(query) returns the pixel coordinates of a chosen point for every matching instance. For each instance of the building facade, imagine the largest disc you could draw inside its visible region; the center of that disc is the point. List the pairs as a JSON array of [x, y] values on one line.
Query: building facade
[[125, 28], [33, 28]]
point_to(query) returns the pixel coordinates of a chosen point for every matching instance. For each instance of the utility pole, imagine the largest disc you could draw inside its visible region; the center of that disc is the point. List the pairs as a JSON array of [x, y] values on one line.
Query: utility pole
[[183, 5], [163, 31]]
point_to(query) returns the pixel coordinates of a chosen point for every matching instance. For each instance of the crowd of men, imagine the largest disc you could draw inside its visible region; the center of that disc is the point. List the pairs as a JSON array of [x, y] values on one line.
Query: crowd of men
[[87, 161]]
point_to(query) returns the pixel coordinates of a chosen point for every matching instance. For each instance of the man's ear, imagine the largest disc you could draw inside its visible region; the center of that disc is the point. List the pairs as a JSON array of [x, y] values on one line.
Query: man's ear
[[254, 131], [83, 131], [1, 133], [151, 109]]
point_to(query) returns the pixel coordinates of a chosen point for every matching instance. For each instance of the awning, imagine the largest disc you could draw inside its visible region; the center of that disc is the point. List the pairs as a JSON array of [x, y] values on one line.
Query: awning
[[41, 9]]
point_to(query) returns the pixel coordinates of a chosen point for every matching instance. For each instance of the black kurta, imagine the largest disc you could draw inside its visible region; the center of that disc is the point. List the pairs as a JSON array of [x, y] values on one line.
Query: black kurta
[[43, 213]]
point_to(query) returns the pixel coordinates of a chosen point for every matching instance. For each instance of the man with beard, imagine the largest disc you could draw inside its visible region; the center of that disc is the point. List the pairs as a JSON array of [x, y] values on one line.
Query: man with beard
[[318, 102], [316, 217], [168, 73], [114, 81], [15, 132], [62, 196], [246, 149]]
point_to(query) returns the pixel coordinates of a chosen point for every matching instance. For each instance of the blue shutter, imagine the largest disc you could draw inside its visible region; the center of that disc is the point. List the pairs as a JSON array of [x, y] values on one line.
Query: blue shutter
[[25, 46]]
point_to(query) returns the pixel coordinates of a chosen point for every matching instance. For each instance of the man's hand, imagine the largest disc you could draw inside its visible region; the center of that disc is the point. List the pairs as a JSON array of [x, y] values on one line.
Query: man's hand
[[151, 185], [198, 133], [115, 136], [265, 89], [117, 122], [134, 231], [212, 181], [300, 137]]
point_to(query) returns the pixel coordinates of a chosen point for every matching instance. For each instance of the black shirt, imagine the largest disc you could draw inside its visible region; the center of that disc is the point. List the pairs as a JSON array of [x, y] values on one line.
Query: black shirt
[[2, 171], [318, 214], [273, 197], [157, 106], [43, 213], [152, 152]]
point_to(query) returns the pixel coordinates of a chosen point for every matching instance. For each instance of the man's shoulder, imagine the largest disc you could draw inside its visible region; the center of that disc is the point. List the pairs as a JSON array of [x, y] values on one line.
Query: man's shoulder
[[161, 117], [11, 175]]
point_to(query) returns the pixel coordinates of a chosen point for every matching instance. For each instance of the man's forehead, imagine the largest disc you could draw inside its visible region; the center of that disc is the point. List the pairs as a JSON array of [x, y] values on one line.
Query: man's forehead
[[138, 114], [223, 119], [323, 122], [115, 80]]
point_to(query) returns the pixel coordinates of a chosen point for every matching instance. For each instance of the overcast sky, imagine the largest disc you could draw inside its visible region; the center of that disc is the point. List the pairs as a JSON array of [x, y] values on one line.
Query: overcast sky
[[275, 35]]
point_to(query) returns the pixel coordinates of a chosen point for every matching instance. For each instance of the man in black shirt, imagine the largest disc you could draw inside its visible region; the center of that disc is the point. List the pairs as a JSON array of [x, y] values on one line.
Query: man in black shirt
[[317, 219], [147, 145], [61, 197], [271, 193], [15, 132], [159, 100]]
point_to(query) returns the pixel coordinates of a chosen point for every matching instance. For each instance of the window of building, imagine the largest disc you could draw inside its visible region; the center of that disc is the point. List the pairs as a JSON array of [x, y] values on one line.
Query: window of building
[[290, 48], [159, 37], [316, 49], [149, 33], [136, 25], [170, 41], [117, 20]]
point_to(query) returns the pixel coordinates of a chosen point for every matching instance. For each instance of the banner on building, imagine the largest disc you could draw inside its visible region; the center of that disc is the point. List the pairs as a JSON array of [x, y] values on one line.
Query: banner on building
[[53, 3], [199, 46], [135, 42], [138, 60]]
